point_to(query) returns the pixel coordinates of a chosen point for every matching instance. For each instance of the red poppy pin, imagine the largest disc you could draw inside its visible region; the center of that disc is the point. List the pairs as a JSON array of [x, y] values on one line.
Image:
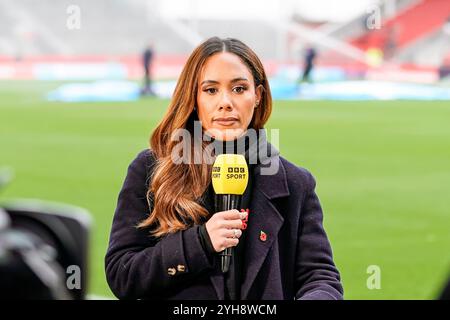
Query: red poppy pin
[[262, 236]]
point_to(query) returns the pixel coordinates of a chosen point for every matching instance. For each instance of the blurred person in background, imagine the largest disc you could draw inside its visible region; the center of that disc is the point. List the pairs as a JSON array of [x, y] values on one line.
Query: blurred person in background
[[308, 65], [166, 235], [147, 60], [390, 41]]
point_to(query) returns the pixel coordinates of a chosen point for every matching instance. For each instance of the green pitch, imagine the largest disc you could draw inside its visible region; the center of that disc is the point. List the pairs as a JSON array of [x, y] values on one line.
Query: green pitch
[[382, 170]]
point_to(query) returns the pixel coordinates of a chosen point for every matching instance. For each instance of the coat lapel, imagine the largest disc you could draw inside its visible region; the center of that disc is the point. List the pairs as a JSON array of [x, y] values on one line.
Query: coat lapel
[[217, 280], [263, 217]]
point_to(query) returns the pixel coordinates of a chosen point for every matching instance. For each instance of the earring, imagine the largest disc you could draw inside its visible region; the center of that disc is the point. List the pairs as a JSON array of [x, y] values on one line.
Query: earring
[[256, 104]]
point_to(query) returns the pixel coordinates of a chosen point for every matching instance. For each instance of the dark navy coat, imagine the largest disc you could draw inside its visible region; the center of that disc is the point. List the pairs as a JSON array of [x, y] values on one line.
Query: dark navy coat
[[294, 262]]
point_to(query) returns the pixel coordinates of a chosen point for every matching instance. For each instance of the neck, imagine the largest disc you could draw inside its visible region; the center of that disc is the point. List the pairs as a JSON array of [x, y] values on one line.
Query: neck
[[254, 147], [236, 146]]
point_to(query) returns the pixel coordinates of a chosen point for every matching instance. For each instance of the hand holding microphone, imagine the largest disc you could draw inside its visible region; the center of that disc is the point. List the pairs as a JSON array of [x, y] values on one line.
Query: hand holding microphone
[[225, 229], [229, 179]]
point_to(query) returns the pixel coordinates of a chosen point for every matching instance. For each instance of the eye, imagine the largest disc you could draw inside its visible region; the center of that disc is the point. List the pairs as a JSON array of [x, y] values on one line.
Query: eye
[[239, 89], [210, 90]]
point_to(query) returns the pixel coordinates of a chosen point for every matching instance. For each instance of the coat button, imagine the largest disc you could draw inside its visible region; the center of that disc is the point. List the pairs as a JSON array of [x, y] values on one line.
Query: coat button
[[171, 271], [181, 268]]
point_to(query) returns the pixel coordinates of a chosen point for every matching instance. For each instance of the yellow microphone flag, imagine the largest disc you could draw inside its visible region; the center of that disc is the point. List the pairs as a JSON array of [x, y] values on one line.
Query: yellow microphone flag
[[230, 174]]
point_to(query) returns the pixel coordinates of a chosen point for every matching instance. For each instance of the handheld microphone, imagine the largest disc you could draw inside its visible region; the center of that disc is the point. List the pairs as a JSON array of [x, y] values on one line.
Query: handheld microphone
[[229, 179]]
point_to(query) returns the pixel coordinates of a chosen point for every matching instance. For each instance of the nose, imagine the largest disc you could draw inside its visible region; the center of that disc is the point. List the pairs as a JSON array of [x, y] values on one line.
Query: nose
[[225, 102]]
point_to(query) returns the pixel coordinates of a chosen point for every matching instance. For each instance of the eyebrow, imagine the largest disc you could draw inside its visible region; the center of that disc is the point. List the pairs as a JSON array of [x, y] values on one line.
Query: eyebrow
[[216, 82]]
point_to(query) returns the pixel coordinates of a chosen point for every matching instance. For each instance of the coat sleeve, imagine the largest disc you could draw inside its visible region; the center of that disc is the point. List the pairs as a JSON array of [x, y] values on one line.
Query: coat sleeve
[[138, 265], [317, 277]]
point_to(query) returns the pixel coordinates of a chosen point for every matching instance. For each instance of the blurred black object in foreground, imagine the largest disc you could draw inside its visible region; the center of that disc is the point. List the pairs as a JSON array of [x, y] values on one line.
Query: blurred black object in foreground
[[445, 294], [43, 251]]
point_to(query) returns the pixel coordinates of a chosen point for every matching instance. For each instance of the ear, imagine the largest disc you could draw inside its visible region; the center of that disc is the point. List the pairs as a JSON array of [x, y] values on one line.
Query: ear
[[258, 94]]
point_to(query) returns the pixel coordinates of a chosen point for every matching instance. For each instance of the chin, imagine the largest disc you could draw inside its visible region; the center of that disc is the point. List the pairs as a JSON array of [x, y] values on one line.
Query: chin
[[227, 134]]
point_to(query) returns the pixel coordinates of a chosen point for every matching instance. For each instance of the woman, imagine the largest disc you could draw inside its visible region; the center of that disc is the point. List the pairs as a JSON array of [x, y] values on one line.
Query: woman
[[166, 235]]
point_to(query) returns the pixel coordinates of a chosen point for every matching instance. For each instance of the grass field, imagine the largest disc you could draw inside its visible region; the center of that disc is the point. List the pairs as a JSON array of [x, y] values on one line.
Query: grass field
[[382, 168]]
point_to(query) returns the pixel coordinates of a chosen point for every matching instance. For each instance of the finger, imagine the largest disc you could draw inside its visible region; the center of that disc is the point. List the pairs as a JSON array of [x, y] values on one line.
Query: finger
[[232, 224], [233, 233], [232, 214], [243, 215], [227, 243], [230, 242], [227, 215]]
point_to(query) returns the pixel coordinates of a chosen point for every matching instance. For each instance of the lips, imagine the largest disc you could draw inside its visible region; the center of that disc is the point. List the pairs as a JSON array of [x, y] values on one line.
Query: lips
[[226, 121]]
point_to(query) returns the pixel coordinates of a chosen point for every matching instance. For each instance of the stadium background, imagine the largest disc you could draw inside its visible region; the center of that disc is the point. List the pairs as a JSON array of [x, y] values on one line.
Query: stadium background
[[372, 125]]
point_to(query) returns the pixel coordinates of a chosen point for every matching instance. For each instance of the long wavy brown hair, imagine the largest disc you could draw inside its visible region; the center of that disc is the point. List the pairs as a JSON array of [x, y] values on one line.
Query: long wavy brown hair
[[175, 189]]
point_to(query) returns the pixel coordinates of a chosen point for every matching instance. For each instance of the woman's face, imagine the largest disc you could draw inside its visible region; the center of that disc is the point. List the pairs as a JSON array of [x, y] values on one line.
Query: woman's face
[[226, 96]]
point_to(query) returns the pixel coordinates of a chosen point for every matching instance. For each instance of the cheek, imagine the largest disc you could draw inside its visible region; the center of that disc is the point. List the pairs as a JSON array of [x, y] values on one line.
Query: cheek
[[249, 115], [248, 110]]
